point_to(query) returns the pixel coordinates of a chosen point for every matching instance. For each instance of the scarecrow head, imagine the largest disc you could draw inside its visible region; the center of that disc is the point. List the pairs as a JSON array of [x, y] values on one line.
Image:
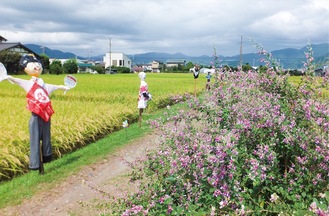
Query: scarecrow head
[[31, 65], [142, 75]]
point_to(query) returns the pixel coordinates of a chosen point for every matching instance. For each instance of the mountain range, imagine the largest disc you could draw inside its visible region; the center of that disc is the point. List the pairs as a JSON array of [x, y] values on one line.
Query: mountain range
[[288, 58]]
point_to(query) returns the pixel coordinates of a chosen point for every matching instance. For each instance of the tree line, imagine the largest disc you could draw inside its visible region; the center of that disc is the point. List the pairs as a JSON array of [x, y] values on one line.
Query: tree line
[[11, 61]]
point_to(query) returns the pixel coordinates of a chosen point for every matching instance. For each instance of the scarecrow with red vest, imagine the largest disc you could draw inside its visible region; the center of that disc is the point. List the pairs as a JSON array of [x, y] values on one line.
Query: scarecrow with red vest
[[143, 97], [39, 104]]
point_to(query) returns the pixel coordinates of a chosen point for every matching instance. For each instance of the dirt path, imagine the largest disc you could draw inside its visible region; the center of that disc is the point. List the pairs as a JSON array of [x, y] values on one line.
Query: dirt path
[[74, 196]]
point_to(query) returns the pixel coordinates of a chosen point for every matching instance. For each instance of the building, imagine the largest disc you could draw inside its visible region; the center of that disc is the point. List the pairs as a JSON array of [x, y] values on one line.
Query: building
[[175, 62], [147, 67], [207, 70], [12, 64], [15, 47], [2, 39], [322, 71], [86, 68], [117, 59], [156, 66]]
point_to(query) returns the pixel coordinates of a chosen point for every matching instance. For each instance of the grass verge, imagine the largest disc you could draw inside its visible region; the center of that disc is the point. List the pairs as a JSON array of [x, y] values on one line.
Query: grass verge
[[24, 187]]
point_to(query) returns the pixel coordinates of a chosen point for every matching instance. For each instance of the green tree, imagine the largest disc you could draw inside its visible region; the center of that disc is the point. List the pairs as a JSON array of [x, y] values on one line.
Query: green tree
[[180, 67], [10, 60], [164, 67], [228, 68], [56, 67], [262, 69], [246, 67], [45, 63], [174, 68], [121, 69], [99, 69], [189, 65], [70, 66]]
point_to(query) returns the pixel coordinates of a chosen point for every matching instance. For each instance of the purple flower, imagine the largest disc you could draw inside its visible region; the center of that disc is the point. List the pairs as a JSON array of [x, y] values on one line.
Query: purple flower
[[169, 210], [274, 197]]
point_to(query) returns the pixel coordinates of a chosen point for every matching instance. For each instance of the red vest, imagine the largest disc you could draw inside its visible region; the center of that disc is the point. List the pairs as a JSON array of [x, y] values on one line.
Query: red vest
[[39, 103]]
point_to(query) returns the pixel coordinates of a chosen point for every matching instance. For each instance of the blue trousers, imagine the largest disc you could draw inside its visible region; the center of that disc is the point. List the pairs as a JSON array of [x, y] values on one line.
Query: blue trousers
[[39, 134]]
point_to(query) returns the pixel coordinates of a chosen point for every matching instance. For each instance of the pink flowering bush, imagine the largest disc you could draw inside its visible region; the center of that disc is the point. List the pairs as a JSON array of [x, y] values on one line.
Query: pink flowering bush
[[215, 64], [254, 145], [138, 69]]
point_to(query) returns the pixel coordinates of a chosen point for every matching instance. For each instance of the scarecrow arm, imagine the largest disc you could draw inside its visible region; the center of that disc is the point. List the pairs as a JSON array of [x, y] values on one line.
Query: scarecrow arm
[[25, 84]]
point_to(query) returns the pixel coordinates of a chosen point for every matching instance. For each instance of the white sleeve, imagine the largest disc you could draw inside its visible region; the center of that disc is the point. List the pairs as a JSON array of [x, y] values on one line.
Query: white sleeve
[[25, 84], [50, 88]]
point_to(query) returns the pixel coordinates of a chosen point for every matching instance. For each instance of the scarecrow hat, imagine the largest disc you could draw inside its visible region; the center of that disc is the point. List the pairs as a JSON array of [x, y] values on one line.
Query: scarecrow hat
[[27, 59], [34, 69]]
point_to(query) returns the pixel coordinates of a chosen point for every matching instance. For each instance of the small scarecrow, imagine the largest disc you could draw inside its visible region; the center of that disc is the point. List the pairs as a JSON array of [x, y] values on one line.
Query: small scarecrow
[[208, 81], [196, 71], [38, 102], [143, 97]]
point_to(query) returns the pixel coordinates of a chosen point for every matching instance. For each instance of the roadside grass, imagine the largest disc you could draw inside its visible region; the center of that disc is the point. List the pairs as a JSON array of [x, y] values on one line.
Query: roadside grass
[[23, 187]]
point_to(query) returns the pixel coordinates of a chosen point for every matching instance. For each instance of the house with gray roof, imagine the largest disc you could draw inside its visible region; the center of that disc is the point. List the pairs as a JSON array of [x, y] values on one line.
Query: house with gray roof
[[175, 62], [17, 47]]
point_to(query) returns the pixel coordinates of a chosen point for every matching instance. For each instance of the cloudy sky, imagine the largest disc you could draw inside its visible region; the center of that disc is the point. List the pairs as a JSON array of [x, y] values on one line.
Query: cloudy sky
[[191, 27]]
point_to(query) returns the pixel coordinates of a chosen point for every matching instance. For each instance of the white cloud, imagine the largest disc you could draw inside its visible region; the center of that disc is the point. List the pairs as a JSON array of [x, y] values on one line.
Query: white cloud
[[191, 27]]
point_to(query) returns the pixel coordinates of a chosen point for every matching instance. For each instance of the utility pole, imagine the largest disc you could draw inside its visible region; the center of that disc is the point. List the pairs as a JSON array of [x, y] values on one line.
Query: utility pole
[[241, 53], [110, 54], [43, 49], [90, 56]]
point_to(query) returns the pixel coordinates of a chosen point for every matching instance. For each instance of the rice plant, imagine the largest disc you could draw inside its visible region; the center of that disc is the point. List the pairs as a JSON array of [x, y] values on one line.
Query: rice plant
[[95, 107]]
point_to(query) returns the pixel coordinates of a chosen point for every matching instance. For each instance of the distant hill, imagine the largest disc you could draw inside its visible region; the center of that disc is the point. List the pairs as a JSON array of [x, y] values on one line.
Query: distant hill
[[288, 58], [163, 57], [51, 53]]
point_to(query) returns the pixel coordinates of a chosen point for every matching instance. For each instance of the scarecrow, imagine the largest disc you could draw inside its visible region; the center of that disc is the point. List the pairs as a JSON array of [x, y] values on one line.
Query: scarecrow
[[196, 71], [208, 81], [39, 104], [143, 97]]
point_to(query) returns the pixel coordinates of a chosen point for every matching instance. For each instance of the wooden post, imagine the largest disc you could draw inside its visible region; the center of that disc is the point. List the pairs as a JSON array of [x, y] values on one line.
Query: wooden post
[[194, 87], [41, 169], [140, 117]]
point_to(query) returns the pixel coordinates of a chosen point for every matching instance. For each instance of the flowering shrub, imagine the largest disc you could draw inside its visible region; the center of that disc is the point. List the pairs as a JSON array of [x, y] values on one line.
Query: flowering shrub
[[254, 145], [138, 69], [216, 63]]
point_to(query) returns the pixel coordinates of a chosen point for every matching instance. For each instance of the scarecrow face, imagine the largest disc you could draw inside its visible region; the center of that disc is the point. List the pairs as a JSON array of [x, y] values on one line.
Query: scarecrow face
[[142, 75], [33, 69], [31, 65]]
